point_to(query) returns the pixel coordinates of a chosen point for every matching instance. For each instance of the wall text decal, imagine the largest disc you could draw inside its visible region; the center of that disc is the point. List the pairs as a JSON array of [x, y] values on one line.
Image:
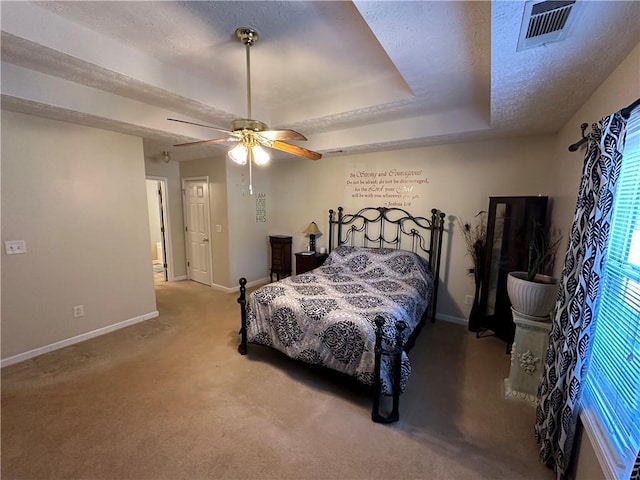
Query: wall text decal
[[394, 187], [261, 207]]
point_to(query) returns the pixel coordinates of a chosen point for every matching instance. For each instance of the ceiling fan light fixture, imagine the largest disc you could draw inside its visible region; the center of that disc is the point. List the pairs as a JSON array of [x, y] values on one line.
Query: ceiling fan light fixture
[[239, 154], [260, 155], [250, 133]]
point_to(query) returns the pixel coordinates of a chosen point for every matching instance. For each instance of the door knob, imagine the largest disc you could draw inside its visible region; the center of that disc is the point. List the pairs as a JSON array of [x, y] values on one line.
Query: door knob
[[205, 239]]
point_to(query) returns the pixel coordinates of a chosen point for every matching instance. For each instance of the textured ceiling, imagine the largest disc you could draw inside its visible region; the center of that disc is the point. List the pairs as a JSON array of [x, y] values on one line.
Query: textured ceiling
[[351, 76]]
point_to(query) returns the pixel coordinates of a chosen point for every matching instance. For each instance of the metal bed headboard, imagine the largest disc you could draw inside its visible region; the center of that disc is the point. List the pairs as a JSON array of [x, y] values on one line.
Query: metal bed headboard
[[383, 227]]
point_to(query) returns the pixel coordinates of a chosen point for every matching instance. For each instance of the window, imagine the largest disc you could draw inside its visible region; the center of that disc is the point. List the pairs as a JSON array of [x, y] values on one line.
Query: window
[[612, 394]]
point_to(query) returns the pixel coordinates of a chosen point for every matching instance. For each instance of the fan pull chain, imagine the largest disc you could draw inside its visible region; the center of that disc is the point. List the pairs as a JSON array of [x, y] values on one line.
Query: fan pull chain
[[250, 162]]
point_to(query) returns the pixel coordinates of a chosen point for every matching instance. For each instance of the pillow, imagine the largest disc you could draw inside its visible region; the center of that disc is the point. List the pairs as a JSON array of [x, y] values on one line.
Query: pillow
[[360, 259]]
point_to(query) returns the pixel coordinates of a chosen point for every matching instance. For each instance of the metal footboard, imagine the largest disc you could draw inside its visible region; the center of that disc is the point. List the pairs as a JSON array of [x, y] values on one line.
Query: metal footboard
[[396, 352]]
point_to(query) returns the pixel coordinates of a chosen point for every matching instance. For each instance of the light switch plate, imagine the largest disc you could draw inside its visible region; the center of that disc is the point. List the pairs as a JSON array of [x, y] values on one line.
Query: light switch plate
[[13, 247]]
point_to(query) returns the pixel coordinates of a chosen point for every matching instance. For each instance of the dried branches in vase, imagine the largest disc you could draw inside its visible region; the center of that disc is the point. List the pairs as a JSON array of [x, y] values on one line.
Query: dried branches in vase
[[475, 238]]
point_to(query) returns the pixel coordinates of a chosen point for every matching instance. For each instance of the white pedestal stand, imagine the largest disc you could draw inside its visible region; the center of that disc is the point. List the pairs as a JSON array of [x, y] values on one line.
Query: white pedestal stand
[[527, 357]]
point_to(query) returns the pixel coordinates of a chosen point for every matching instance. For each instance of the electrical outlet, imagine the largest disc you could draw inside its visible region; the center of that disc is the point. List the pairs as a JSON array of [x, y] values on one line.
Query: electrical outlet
[[468, 299], [12, 247], [78, 311]]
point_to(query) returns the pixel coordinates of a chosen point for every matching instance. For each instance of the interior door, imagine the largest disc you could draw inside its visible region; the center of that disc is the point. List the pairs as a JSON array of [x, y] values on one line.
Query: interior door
[[163, 230], [158, 228], [197, 230]]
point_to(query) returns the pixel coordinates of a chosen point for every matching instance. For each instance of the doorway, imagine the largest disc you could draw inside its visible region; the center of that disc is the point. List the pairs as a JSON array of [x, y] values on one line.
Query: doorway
[[197, 229], [158, 228]]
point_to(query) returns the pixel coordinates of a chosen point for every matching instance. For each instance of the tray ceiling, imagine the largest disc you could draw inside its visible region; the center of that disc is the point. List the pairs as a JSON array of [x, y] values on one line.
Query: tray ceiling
[[352, 76]]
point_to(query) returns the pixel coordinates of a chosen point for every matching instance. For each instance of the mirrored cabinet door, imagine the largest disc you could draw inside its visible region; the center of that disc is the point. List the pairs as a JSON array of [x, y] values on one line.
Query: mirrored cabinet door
[[510, 224]]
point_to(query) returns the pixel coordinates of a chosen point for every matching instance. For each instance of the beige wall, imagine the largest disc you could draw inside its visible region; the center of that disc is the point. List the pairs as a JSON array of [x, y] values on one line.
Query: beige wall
[[587, 466], [240, 248], [171, 171], [248, 238], [461, 178], [214, 169], [619, 90], [155, 234], [76, 195]]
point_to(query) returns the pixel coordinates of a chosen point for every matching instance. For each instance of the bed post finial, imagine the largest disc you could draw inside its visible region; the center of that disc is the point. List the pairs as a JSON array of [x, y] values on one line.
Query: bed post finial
[[394, 416], [330, 247], [436, 275], [340, 213], [397, 369], [242, 300], [375, 409]]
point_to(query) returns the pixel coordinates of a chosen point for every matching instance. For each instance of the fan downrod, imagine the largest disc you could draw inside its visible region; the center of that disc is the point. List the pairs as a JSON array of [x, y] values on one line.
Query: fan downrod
[[248, 36]]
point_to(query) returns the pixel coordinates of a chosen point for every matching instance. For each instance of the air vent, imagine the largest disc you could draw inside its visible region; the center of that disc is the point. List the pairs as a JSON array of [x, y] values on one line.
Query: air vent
[[545, 22]]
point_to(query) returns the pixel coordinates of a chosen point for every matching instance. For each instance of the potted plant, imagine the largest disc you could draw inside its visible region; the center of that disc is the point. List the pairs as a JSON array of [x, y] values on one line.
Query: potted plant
[[534, 292]]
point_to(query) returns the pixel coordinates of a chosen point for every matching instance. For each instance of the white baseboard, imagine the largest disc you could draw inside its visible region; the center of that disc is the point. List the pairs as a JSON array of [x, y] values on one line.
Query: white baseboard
[[178, 279], [224, 289], [449, 318], [5, 362]]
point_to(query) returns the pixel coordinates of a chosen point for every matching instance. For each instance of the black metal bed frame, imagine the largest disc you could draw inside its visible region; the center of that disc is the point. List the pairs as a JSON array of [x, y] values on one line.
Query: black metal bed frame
[[381, 227]]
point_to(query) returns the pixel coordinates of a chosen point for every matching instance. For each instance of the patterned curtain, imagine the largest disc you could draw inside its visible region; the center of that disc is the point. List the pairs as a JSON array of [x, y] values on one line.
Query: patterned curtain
[[570, 337], [635, 472]]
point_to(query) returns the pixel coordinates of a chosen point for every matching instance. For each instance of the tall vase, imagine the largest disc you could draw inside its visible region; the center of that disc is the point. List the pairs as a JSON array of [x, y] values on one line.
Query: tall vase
[[475, 315]]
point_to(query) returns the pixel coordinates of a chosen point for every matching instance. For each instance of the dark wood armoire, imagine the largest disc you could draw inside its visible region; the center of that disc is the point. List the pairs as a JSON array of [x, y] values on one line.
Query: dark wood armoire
[[280, 256], [510, 229]]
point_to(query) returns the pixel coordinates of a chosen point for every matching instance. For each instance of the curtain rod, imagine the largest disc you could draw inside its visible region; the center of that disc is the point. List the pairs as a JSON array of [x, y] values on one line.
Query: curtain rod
[[625, 112]]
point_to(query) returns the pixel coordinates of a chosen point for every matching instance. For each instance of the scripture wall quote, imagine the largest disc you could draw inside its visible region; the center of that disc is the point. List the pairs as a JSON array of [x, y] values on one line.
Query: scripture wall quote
[[389, 188]]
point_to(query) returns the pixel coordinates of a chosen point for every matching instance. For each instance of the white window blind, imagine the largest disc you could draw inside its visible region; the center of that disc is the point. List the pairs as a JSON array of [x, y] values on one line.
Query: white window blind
[[612, 391]]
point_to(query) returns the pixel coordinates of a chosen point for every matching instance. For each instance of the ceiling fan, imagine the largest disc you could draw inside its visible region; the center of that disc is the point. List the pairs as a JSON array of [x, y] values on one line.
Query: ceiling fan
[[251, 134]]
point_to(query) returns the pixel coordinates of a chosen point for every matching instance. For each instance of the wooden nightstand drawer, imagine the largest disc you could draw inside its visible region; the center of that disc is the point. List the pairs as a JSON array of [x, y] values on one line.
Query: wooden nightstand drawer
[[305, 262]]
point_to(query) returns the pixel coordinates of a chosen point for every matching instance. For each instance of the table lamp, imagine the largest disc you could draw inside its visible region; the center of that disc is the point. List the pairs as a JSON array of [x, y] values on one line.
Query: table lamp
[[312, 231]]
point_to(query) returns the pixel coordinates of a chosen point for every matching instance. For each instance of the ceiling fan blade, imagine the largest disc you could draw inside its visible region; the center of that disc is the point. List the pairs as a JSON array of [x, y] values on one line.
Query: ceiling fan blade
[[204, 142], [199, 125], [295, 150], [285, 134]]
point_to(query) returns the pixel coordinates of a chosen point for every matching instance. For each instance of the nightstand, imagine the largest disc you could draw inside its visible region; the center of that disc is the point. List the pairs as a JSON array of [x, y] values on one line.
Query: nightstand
[[305, 262]]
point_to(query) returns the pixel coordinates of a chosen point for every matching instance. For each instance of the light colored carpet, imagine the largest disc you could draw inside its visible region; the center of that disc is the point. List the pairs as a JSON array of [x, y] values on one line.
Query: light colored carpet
[[172, 399]]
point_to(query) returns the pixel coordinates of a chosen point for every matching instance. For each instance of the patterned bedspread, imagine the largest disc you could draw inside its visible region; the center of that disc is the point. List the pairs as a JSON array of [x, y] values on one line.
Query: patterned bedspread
[[326, 316]]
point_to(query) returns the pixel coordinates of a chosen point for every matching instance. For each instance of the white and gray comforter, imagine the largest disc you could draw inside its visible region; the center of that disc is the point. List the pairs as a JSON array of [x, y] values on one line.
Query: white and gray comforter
[[326, 316]]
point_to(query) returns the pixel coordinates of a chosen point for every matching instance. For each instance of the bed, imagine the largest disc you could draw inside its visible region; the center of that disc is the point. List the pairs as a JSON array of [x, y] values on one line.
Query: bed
[[361, 311]]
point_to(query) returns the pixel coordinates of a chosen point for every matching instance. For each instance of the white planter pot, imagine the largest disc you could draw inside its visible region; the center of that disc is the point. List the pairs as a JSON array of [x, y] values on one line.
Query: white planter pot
[[535, 299]]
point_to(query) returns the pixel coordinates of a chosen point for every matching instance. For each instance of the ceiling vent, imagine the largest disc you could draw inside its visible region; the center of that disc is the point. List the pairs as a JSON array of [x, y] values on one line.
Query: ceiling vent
[[545, 22]]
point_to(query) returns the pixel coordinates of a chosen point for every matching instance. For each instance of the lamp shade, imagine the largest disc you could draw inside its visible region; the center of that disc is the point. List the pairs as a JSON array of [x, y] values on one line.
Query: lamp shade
[[260, 156], [312, 229], [238, 154]]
